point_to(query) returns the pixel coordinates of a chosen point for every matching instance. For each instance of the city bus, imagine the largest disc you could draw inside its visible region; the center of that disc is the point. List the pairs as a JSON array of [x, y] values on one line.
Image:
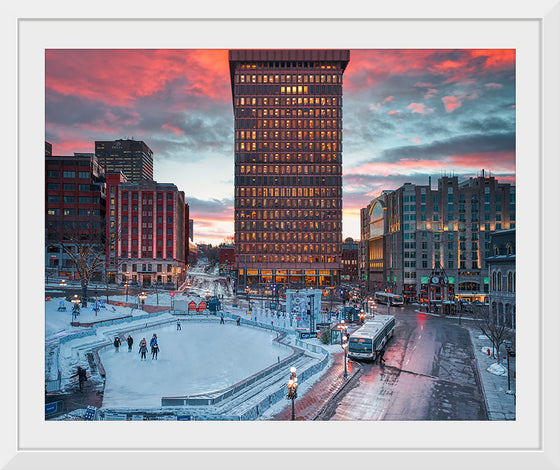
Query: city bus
[[366, 342], [386, 298]]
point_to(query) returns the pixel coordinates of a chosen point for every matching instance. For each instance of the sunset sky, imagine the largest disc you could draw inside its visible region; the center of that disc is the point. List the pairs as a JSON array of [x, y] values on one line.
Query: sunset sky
[[407, 115]]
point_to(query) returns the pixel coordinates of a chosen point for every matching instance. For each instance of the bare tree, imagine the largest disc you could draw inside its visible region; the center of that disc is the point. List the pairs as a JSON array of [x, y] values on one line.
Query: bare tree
[[84, 242], [489, 325]]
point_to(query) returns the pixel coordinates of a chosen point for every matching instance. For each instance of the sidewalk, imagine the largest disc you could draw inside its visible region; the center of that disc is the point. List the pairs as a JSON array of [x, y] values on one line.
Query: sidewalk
[[499, 404], [310, 405]]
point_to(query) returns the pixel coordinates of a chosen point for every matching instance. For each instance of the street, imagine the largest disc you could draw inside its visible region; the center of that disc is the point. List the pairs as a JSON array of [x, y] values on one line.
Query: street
[[429, 374]]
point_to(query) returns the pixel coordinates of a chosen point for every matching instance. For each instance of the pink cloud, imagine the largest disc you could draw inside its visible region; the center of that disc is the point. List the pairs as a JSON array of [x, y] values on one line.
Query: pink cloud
[[393, 112], [419, 108], [389, 98], [493, 85], [451, 103], [430, 93], [172, 129]]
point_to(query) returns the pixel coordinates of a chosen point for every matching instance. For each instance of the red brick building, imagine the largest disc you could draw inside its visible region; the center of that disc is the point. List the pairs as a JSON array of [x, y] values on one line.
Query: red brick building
[[227, 258], [147, 226], [350, 251], [74, 203], [288, 165]]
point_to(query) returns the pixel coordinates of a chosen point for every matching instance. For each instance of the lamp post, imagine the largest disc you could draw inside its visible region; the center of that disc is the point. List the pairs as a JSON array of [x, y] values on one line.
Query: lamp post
[[207, 295], [345, 347], [142, 296], [76, 309], [126, 287], [362, 316], [292, 389], [63, 283]]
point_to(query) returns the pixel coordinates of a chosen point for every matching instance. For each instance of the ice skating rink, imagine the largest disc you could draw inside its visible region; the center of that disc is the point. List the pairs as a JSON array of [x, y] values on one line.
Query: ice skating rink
[[201, 357]]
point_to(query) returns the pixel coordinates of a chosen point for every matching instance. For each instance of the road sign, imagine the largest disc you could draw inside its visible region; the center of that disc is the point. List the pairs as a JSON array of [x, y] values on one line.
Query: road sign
[[51, 408], [306, 335], [90, 413], [115, 416], [172, 293]]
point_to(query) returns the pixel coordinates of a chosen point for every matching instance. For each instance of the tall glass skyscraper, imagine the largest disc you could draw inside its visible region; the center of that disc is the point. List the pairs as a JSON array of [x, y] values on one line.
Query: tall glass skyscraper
[[288, 165]]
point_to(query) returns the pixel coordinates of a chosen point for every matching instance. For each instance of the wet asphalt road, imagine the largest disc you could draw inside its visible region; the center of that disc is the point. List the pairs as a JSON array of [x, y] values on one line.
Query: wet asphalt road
[[430, 374]]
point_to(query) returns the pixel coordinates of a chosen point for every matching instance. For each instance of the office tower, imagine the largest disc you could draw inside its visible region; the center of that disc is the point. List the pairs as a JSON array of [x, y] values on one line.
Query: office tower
[[133, 158], [288, 165]]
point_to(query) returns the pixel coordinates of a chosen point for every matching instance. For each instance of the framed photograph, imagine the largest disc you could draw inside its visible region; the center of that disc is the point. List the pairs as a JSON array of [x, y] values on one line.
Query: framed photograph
[[528, 441]]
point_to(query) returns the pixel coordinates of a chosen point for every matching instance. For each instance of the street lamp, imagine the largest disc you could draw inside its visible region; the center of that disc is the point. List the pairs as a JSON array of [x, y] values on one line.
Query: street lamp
[[142, 296], [76, 309], [63, 283], [345, 347], [292, 389], [126, 286], [207, 295], [362, 316]]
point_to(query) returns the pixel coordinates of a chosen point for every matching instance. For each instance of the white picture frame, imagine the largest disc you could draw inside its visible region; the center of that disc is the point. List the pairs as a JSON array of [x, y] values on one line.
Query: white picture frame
[[529, 442]]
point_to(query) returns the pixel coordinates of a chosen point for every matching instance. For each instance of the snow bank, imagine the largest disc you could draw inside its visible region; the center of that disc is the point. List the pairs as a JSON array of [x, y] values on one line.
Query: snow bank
[[497, 369]]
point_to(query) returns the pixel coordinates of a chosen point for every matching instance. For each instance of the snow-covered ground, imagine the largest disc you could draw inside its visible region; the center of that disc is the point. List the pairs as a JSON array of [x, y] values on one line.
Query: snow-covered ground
[[57, 322], [199, 358]]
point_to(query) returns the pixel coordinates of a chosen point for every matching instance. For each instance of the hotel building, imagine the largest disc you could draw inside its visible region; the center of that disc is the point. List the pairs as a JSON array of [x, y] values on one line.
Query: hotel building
[[412, 231], [288, 165], [133, 158]]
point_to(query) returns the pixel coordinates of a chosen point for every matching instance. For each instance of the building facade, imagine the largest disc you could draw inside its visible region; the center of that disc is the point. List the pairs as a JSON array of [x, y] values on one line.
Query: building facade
[[133, 158], [227, 259], [501, 272], [75, 207], [421, 228], [288, 165], [350, 251], [147, 229]]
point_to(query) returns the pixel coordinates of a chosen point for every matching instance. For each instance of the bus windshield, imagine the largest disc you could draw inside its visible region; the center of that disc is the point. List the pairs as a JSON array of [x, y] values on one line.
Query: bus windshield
[[360, 345]]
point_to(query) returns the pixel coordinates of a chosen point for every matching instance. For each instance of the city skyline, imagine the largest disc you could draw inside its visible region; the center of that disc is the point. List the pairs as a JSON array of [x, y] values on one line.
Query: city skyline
[[408, 115]]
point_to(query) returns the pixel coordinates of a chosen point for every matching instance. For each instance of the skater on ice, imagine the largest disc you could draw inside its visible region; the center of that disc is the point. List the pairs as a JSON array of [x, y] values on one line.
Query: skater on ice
[[222, 319], [155, 350], [117, 343], [82, 377], [130, 342], [178, 325], [143, 349]]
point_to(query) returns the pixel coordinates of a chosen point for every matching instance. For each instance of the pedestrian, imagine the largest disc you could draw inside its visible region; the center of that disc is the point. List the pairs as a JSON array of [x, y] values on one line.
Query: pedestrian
[[238, 321], [381, 359], [130, 341], [178, 325], [143, 349], [155, 350], [222, 322], [82, 377], [117, 343], [153, 340]]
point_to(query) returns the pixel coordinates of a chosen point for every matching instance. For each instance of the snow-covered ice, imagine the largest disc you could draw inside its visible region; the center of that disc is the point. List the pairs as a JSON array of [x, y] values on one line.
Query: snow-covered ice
[[199, 358]]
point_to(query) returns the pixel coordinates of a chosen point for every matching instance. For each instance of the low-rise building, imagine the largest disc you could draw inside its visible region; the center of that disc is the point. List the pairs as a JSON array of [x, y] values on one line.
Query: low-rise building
[[501, 272]]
